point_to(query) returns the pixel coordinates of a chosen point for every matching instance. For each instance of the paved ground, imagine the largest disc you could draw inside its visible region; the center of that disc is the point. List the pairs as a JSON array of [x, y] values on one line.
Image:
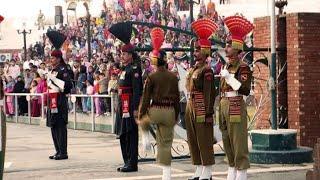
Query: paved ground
[[97, 155]]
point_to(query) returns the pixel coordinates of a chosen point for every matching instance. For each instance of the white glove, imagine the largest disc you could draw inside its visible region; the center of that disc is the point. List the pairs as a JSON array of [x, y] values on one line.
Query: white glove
[[146, 141], [59, 83], [225, 73], [233, 82], [51, 75], [53, 88]]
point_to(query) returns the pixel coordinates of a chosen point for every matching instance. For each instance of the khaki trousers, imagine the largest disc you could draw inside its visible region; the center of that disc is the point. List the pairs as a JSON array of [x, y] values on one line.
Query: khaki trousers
[[200, 139], [234, 136], [164, 118]]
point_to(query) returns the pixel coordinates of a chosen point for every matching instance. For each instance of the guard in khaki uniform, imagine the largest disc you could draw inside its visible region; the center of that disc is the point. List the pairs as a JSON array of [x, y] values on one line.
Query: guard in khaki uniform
[[235, 82], [200, 106], [160, 88]]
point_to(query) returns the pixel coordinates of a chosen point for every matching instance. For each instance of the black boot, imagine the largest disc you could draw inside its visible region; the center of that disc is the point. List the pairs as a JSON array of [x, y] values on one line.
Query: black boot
[[195, 178], [129, 169], [61, 157], [53, 156]]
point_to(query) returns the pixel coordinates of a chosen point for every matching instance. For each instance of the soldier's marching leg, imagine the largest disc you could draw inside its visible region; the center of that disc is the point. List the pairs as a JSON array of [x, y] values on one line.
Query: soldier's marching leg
[[124, 149], [228, 148], [240, 141], [55, 142], [164, 118], [165, 136], [61, 136], [191, 135], [133, 149]]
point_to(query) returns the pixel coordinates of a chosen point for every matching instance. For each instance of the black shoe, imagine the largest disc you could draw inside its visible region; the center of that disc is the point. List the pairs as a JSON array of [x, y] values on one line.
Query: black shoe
[[206, 179], [119, 168], [61, 157], [53, 156], [196, 178], [129, 169]]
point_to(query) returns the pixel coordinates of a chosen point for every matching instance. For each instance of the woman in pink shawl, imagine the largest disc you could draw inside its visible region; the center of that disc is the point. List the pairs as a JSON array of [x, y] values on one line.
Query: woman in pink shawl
[[184, 22], [9, 99], [141, 16], [42, 88], [35, 107]]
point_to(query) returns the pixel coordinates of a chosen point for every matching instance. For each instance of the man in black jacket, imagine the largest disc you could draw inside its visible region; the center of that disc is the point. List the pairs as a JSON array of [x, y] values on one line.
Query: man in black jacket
[[60, 84]]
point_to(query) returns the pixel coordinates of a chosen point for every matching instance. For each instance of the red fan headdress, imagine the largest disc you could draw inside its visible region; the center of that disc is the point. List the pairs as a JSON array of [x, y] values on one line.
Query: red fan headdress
[[239, 27], [204, 28], [1, 18], [157, 38]]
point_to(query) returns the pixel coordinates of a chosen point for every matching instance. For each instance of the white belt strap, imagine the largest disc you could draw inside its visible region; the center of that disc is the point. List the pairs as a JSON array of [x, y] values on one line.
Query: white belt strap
[[230, 94]]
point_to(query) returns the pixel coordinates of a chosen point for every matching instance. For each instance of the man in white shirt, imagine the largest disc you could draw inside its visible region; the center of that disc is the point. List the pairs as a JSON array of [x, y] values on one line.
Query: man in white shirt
[[13, 70], [26, 64]]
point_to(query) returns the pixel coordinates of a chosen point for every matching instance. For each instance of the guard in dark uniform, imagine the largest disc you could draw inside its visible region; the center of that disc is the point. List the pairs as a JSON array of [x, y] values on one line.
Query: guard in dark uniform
[[130, 91], [60, 84]]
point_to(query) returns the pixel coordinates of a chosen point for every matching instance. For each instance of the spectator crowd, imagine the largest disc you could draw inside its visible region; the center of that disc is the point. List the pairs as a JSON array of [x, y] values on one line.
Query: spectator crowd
[[99, 74]]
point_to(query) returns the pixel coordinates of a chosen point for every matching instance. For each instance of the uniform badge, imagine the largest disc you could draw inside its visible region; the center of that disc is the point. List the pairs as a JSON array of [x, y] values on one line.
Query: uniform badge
[[244, 77], [136, 75], [208, 76]]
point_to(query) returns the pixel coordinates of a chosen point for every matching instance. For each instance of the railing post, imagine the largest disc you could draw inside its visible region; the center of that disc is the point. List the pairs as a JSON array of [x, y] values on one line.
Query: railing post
[[112, 113], [16, 107], [92, 114], [4, 103], [28, 97], [42, 106], [74, 100]]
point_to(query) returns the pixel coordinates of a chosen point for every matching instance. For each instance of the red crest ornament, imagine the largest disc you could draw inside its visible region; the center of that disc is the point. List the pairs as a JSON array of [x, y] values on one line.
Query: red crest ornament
[[239, 27], [1, 18], [157, 38], [204, 28]]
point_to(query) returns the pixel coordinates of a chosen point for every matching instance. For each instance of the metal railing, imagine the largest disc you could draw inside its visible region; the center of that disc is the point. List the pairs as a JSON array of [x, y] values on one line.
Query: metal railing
[[72, 97], [28, 97], [73, 100]]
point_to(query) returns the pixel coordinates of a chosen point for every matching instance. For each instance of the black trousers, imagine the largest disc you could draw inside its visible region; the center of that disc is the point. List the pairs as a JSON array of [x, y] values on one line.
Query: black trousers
[[59, 136], [129, 148]]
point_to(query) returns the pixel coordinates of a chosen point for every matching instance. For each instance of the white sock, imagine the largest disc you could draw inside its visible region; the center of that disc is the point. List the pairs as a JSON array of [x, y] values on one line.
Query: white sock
[[198, 172], [231, 173], [166, 172], [146, 141], [206, 173], [241, 175]]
